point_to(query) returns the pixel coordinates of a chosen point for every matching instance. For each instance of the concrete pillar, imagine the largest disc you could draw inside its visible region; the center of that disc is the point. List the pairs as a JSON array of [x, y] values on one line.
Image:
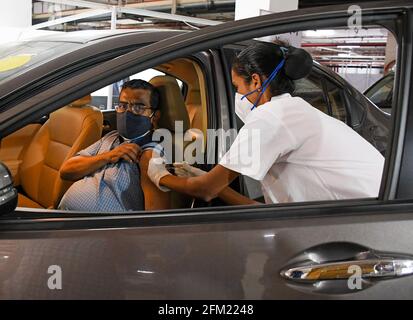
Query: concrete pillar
[[253, 8], [391, 53], [16, 14], [247, 8], [282, 5]]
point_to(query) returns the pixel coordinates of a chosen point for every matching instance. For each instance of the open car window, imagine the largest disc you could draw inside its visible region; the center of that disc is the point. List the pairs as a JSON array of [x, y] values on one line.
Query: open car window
[[100, 97]]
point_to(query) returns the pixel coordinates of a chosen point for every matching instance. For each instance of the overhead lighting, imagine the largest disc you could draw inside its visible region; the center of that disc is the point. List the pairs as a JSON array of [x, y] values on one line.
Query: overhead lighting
[[319, 33], [347, 47]]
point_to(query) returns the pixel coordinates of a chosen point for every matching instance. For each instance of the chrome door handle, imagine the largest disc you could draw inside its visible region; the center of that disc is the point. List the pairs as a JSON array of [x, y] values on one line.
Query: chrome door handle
[[374, 268]]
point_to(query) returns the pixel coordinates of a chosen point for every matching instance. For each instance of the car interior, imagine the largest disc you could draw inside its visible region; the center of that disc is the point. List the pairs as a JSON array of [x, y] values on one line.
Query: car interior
[[35, 153]]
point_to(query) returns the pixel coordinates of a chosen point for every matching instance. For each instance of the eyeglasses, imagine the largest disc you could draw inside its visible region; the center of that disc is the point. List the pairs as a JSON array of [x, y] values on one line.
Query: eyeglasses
[[138, 108]]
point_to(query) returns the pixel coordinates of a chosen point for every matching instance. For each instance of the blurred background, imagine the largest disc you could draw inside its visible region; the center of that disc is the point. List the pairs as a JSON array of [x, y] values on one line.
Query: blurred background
[[360, 56]]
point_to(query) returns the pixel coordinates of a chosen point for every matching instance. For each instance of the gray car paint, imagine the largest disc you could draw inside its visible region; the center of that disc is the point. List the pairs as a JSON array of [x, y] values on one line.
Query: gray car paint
[[209, 253], [233, 260]]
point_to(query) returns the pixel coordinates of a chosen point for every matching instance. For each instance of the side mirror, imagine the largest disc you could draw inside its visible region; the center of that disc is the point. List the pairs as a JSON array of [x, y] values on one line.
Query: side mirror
[[8, 194]]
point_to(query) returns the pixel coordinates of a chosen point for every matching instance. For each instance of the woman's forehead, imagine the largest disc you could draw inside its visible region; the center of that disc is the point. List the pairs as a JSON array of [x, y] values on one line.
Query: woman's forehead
[[236, 78]]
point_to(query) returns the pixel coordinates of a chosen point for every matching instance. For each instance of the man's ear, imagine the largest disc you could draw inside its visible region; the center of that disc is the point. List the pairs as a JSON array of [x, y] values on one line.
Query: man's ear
[[155, 118]]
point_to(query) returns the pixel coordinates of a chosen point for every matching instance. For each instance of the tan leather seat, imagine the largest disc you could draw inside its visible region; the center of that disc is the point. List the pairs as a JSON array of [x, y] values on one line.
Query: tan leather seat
[[194, 107], [66, 132], [172, 107], [13, 147], [196, 118]]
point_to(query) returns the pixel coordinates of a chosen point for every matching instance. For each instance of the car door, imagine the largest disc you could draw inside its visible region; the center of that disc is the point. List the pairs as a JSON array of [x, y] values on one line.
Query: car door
[[337, 250]]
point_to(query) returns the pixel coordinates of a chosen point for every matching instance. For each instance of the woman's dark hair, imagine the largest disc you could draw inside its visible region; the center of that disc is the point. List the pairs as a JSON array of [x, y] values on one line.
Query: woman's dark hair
[[142, 84], [263, 57]]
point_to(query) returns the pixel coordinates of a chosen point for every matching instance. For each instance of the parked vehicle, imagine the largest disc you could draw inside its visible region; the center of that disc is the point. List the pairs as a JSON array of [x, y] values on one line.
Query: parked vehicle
[[200, 250]]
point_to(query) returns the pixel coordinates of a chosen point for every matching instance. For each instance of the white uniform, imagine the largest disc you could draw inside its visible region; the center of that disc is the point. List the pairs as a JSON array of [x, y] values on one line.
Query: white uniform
[[301, 154]]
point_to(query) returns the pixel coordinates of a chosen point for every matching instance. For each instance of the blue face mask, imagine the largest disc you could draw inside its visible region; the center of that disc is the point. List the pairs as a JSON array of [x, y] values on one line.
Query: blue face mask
[[266, 84], [135, 128]]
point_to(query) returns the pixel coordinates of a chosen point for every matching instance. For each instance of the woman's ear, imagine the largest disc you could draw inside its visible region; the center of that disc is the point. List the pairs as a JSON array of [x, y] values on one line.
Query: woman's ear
[[256, 81]]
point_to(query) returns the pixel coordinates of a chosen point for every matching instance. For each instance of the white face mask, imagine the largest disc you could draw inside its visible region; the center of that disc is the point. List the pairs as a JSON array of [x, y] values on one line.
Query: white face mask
[[242, 107]]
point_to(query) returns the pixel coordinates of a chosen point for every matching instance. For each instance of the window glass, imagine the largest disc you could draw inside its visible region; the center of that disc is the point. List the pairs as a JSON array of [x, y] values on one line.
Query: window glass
[[16, 58], [335, 97], [311, 90], [381, 96], [381, 92]]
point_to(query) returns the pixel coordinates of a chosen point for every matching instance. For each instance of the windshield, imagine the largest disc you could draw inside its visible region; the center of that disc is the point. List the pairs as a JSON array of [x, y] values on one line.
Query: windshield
[[16, 58]]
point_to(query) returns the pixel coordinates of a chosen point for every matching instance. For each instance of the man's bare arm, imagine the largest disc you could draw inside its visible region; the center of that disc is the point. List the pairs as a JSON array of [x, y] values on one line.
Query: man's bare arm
[[155, 199], [78, 167]]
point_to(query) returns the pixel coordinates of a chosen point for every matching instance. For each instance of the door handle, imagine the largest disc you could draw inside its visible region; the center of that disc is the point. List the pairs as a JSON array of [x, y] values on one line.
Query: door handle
[[373, 268], [334, 267]]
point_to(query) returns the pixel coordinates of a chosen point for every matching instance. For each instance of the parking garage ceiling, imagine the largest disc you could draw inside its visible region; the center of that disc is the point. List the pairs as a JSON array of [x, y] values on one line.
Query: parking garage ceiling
[[335, 48]]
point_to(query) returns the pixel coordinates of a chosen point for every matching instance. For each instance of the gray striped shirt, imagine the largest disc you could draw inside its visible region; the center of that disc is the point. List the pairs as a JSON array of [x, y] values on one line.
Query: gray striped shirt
[[113, 188]]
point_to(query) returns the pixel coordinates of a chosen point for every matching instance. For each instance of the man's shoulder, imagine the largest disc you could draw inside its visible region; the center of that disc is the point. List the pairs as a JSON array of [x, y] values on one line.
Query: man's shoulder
[[107, 141], [154, 146], [111, 134], [110, 138]]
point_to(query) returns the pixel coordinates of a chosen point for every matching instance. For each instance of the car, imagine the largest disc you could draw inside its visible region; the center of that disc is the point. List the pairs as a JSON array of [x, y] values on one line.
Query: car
[[381, 92], [197, 250]]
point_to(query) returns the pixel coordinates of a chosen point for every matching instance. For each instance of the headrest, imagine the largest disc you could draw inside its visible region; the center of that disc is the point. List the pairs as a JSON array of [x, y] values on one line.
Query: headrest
[[67, 123], [172, 104], [81, 102]]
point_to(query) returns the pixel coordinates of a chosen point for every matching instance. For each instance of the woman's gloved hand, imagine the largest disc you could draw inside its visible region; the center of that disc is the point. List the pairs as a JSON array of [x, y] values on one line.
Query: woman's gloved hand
[[156, 171], [183, 169]]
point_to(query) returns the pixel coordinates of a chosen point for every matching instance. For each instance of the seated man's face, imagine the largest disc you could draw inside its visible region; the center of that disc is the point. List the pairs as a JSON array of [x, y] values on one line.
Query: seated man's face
[[135, 114], [137, 97]]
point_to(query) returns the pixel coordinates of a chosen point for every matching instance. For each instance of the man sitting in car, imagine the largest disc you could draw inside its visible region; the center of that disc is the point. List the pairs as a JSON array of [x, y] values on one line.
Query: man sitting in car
[[111, 174]]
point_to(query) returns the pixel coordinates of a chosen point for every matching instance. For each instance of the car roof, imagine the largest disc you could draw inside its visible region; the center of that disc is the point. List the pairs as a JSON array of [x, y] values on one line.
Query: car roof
[[85, 44], [86, 36]]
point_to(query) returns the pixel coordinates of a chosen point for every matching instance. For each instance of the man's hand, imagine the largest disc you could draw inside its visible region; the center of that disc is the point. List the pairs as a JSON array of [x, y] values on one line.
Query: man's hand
[[129, 151], [78, 167]]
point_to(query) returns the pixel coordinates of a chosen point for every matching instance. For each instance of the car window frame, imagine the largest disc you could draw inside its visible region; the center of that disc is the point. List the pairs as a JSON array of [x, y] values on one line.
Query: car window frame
[[278, 28]]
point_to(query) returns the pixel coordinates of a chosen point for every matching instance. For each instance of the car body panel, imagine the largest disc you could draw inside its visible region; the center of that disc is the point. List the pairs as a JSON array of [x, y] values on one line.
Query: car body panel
[[209, 260]]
